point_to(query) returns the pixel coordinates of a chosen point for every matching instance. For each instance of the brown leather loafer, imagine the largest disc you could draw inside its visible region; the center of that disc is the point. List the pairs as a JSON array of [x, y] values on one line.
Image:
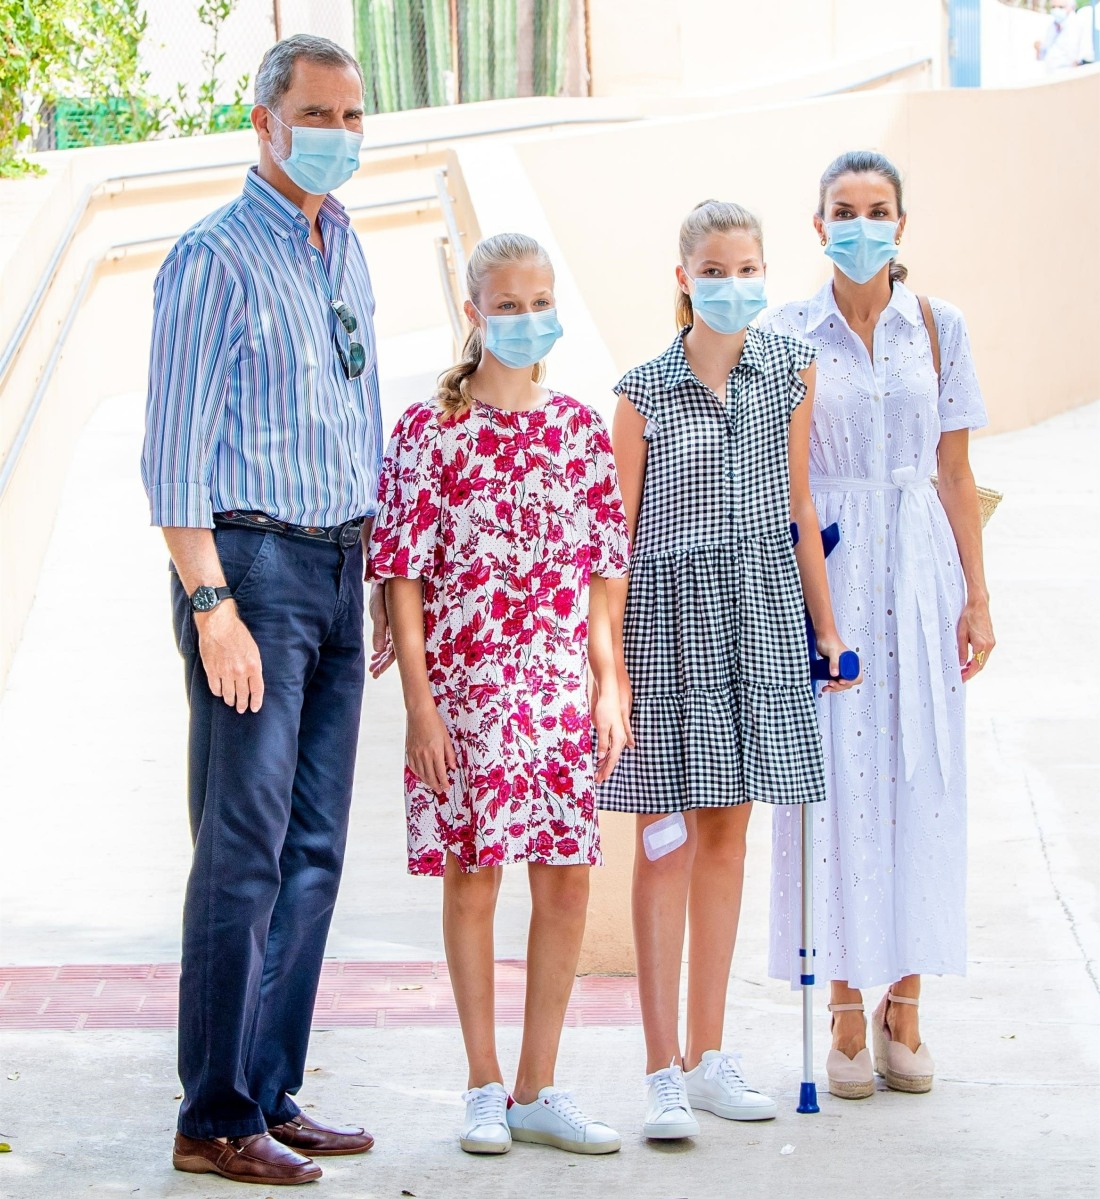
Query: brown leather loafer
[[318, 1140], [257, 1158]]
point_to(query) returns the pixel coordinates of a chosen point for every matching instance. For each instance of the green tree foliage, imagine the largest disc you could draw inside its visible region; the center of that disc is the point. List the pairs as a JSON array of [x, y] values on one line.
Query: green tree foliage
[[53, 49]]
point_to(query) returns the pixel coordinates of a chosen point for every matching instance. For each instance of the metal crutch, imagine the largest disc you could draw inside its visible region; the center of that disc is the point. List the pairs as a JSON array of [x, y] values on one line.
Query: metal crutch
[[819, 670]]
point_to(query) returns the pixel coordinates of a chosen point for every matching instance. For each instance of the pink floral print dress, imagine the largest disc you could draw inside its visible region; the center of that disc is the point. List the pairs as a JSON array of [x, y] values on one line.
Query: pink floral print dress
[[504, 516]]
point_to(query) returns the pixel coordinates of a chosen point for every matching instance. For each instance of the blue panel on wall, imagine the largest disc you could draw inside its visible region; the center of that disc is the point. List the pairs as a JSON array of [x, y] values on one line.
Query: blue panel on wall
[[964, 35]]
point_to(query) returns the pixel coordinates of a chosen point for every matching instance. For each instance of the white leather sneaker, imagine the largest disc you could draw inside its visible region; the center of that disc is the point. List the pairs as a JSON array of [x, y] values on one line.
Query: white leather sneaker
[[554, 1119], [486, 1126], [668, 1115], [717, 1085]]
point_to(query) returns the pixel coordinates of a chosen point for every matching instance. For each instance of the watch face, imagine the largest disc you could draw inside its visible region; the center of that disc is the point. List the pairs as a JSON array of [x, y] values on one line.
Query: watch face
[[204, 599]]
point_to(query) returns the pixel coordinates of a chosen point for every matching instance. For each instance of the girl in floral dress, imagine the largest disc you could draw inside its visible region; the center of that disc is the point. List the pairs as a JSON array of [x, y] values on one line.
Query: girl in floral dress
[[500, 517]]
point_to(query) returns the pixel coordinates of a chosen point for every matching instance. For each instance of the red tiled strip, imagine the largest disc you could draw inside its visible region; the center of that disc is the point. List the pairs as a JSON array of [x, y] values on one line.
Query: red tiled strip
[[350, 995]]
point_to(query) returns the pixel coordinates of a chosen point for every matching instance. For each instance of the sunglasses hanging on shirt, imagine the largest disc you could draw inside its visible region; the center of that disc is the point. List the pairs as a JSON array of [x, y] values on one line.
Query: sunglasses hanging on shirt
[[354, 360]]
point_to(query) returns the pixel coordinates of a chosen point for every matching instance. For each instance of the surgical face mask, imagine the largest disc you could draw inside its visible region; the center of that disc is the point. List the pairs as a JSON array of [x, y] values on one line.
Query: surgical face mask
[[320, 160], [861, 247], [728, 305], [522, 339]]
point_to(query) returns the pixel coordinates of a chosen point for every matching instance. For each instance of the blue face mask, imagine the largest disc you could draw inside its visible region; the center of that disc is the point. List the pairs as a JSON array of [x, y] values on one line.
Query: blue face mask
[[728, 305], [320, 160], [861, 248], [523, 339]]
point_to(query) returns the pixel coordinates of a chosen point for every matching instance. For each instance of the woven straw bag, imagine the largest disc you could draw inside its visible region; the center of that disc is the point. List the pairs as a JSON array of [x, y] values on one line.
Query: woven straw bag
[[988, 499]]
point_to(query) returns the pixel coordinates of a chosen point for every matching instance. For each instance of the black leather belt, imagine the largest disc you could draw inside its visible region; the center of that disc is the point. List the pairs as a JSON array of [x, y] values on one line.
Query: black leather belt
[[345, 535]]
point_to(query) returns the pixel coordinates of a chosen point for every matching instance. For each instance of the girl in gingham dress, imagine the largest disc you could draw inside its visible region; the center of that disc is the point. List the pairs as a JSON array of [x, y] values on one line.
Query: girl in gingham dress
[[712, 444], [500, 519]]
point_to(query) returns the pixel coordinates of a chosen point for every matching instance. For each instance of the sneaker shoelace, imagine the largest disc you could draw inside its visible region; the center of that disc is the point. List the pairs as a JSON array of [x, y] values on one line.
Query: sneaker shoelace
[[727, 1068], [563, 1104], [671, 1091], [490, 1107]]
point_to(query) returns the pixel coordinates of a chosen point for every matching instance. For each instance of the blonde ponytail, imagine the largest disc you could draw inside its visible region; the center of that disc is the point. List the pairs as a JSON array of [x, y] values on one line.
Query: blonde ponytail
[[454, 389], [503, 249]]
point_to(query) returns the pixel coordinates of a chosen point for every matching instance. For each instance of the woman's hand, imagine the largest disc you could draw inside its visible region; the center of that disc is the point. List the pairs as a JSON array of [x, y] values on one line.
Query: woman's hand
[[429, 752], [626, 702], [610, 734], [830, 646], [975, 633]]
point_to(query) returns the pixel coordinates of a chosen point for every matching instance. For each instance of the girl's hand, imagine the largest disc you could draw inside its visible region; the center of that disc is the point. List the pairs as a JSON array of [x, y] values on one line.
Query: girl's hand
[[429, 753], [832, 647], [975, 632], [626, 702], [610, 735]]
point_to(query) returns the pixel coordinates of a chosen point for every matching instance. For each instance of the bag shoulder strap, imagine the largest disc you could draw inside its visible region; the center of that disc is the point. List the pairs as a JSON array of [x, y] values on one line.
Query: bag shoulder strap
[[930, 326]]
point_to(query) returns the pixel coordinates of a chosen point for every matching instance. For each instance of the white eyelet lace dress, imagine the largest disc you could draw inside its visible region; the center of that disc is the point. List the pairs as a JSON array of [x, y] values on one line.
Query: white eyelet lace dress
[[890, 841]]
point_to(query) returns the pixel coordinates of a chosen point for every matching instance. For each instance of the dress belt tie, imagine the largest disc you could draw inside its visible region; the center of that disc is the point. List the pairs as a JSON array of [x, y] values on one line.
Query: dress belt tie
[[918, 614]]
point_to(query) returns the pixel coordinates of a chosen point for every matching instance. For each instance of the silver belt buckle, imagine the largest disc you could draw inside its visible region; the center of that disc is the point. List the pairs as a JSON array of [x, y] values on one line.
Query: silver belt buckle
[[349, 534]]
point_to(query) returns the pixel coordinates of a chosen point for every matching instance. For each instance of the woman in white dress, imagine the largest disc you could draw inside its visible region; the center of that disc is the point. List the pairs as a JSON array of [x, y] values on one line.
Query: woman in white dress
[[908, 584]]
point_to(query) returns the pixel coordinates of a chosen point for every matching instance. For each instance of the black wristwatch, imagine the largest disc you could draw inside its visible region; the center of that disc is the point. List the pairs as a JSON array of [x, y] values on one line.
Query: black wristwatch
[[206, 599]]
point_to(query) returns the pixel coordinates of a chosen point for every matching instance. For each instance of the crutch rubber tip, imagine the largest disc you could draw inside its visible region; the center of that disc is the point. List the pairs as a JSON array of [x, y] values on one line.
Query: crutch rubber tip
[[807, 1098]]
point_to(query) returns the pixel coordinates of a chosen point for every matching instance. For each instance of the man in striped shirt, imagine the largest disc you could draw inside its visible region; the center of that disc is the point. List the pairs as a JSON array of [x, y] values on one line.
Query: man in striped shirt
[[261, 461]]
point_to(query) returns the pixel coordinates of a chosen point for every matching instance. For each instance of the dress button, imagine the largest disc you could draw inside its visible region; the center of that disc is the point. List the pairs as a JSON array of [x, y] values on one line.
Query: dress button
[[884, 731]]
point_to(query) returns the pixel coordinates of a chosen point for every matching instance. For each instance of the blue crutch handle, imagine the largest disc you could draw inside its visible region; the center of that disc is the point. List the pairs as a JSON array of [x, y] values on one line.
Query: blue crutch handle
[[849, 667]]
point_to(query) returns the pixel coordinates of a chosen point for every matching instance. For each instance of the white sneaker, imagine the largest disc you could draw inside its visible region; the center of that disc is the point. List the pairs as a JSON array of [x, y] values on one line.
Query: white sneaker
[[717, 1085], [486, 1126], [554, 1119], [668, 1115]]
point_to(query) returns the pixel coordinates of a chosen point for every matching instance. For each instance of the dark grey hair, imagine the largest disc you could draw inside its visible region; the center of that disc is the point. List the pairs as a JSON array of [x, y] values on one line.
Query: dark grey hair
[[273, 77], [865, 162]]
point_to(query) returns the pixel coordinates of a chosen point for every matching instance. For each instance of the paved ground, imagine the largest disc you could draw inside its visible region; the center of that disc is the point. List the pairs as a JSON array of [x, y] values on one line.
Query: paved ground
[[94, 853]]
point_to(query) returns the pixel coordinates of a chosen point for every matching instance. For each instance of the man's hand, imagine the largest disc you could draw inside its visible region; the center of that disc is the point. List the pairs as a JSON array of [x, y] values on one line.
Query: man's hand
[[230, 657], [381, 642]]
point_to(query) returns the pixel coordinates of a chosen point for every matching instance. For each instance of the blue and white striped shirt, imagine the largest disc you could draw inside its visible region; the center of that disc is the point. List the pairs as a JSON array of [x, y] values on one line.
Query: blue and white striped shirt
[[249, 408]]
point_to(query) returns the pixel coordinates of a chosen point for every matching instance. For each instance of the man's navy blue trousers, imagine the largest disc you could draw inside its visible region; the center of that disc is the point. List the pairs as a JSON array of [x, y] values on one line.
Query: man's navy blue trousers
[[269, 798]]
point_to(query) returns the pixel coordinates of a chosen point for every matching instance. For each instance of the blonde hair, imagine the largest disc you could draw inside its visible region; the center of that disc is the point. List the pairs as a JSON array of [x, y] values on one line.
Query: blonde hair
[[503, 249], [711, 216]]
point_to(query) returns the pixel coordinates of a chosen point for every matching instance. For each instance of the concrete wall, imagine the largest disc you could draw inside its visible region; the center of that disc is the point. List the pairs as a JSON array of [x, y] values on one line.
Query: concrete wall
[[987, 174], [673, 46]]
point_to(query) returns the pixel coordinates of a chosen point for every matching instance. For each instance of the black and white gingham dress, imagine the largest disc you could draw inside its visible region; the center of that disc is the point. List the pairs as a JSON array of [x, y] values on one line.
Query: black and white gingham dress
[[714, 635]]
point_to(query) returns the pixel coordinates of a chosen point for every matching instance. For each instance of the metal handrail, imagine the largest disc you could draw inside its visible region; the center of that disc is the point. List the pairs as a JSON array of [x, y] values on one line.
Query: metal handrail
[[444, 265], [11, 350], [15, 450], [450, 223], [900, 69]]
